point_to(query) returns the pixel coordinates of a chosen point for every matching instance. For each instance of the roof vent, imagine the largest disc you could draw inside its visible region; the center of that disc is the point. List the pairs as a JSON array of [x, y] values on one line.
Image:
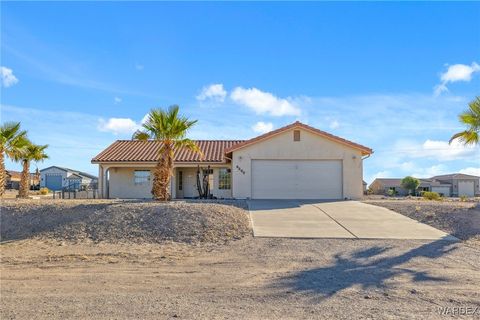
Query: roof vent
[[296, 135]]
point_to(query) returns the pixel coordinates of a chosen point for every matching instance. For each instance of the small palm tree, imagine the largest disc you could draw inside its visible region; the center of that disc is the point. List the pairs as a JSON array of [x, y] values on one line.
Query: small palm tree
[[470, 118], [171, 129], [31, 153], [12, 142]]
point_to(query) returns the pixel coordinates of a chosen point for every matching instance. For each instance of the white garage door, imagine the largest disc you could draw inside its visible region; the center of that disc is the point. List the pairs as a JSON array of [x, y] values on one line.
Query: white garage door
[[466, 188], [445, 191], [297, 179]]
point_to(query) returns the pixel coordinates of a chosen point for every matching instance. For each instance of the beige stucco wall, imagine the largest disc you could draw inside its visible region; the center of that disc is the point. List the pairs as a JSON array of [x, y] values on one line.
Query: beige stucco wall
[[121, 183], [310, 147], [190, 183]]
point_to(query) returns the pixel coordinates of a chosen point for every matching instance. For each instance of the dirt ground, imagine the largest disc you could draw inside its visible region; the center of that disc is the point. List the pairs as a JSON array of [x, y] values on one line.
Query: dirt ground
[[249, 278], [460, 219]]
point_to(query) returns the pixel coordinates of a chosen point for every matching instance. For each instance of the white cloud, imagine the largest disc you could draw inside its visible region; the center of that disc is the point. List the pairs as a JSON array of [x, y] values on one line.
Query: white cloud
[[474, 171], [264, 102], [262, 127], [8, 78], [118, 125], [429, 172], [117, 100], [213, 91], [436, 149], [145, 118], [454, 73], [380, 174], [334, 124]]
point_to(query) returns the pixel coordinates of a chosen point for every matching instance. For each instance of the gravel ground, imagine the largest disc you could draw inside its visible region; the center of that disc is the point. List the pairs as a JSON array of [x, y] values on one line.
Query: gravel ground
[[119, 221], [461, 219], [250, 278]]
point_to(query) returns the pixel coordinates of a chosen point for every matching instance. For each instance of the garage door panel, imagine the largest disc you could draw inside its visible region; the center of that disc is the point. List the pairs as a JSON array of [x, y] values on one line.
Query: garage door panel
[[296, 179], [466, 188], [53, 182]]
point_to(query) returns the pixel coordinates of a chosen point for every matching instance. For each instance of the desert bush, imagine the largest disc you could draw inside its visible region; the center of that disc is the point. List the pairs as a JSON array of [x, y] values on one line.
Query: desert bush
[[391, 193], [44, 191], [463, 198], [431, 195]]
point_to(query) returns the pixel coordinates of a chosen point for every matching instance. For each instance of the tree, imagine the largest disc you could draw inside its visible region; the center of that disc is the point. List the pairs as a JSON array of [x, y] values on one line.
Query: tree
[[32, 152], [410, 183], [12, 142], [171, 129], [471, 119]]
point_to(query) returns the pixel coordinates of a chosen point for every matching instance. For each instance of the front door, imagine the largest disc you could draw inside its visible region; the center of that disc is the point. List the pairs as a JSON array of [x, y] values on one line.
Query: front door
[[179, 184]]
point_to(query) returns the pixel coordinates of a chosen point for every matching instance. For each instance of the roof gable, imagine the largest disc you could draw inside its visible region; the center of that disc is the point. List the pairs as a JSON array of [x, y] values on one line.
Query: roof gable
[[299, 125]]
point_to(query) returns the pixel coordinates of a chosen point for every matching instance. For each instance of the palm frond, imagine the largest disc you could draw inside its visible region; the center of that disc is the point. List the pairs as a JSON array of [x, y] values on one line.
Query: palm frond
[[471, 119], [140, 135]]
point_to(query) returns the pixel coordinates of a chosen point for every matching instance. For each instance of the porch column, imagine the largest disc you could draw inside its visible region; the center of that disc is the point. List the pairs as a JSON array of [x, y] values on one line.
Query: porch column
[[100, 182], [173, 184]]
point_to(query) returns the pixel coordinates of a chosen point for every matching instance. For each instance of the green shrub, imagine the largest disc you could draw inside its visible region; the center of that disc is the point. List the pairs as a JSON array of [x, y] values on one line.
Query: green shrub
[[44, 191], [391, 192], [463, 198], [431, 195]]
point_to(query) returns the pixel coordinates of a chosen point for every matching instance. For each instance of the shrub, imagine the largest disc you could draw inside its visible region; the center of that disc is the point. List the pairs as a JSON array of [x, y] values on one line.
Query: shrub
[[391, 192], [44, 191], [463, 198], [431, 195]]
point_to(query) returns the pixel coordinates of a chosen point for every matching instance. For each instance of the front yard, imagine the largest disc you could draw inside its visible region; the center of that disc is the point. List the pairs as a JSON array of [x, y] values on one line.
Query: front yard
[[105, 259], [460, 219]]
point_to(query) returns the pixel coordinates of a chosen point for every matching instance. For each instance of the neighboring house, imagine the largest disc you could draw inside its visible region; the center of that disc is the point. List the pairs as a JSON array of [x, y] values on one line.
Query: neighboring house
[[455, 185], [13, 179], [293, 162], [461, 184], [56, 178]]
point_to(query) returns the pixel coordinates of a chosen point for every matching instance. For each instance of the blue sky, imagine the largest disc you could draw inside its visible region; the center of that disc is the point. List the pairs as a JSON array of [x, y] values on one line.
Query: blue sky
[[391, 76]]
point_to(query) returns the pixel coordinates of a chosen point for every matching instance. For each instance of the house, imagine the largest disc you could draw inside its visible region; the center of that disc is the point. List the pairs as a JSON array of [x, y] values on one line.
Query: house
[[461, 184], [13, 178], [294, 162], [455, 185], [58, 178]]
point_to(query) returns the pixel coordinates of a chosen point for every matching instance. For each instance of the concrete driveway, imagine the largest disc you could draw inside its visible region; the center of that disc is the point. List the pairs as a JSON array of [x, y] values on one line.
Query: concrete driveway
[[335, 219]]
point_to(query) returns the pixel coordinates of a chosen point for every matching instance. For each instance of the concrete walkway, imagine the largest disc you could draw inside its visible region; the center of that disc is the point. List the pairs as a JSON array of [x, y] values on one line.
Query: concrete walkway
[[336, 219]]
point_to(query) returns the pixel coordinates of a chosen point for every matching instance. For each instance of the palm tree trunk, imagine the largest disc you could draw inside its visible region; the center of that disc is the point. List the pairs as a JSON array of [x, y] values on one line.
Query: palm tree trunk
[[3, 173], [25, 180], [163, 173]]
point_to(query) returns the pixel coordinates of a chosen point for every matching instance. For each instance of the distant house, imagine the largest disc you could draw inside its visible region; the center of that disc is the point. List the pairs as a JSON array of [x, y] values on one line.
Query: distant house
[[450, 185], [13, 178], [58, 178]]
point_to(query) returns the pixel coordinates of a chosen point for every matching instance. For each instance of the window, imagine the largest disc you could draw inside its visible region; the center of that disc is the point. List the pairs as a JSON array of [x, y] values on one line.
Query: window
[[296, 135], [180, 180], [141, 177], [224, 179]]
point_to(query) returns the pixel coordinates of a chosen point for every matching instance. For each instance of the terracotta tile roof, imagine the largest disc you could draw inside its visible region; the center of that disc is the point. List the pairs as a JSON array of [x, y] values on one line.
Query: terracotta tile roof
[[147, 151], [298, 124]]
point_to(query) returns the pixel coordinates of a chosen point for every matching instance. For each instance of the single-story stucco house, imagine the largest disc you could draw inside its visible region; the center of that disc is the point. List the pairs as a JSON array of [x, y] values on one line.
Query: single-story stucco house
[[294, 162], [449, 185], [58, 178], [12, 179]]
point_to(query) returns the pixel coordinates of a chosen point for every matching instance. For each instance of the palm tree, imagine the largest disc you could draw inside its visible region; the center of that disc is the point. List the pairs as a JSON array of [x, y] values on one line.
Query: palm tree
[[171, 129], [12, 142], [31, 153], [470, 118]]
